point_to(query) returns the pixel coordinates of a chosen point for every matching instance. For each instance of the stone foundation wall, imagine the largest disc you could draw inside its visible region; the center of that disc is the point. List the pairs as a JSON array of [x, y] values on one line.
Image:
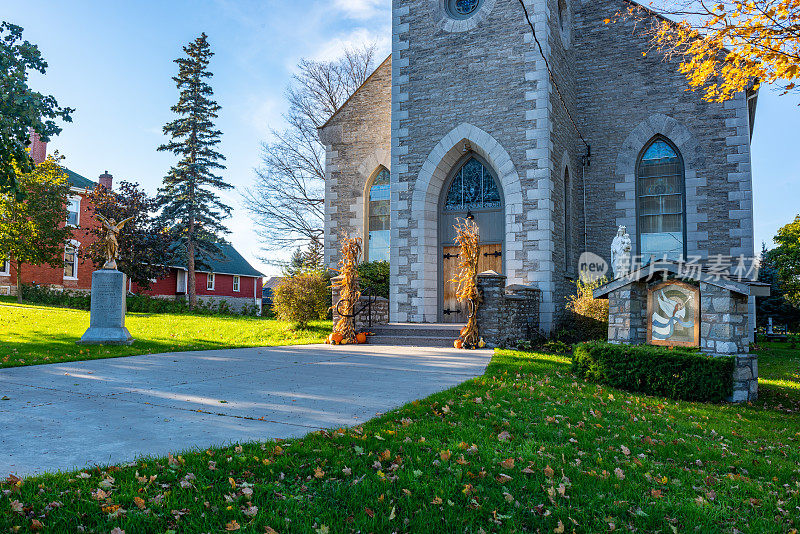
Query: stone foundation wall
[[506, 314], [745, 378], [627, 314], [723, 321], [237, 304]]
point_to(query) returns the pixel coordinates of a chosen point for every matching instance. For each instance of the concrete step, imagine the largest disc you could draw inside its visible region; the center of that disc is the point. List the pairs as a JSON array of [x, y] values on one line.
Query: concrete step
[[414, 334], [411, 341]]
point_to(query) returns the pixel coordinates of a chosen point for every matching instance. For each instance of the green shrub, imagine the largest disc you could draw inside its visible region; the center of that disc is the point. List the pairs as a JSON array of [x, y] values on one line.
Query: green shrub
[[375, 275], [301, 298], [676, 373], [587, 317]]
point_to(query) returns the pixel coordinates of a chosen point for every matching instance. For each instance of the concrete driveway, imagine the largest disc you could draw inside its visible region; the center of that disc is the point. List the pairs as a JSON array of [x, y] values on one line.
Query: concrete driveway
[[73, 415]]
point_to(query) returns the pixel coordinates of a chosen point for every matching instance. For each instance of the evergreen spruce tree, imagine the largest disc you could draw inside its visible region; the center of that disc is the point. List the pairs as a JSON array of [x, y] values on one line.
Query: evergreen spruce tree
[[190, 208]]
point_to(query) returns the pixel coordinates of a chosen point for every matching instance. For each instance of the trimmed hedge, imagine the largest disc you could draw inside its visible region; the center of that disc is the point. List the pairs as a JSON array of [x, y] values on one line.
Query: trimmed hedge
[[135, 303], [676, 373]]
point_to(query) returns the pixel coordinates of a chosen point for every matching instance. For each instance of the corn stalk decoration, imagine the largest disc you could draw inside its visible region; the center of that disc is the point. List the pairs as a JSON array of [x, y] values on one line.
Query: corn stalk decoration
[[349, 293], [467, 279]]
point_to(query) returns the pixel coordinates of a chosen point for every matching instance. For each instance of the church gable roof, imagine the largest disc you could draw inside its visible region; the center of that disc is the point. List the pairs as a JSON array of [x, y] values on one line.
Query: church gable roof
[[386, 64]]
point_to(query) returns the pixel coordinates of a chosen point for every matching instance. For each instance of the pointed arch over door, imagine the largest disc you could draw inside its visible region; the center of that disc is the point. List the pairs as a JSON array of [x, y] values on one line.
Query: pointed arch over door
[[471, 191], [660, 201]]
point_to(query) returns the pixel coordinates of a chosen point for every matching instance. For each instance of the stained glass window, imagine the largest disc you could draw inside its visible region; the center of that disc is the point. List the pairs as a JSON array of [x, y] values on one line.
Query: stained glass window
[[661, 204], [473, 187], [379, 217], [462, 8]]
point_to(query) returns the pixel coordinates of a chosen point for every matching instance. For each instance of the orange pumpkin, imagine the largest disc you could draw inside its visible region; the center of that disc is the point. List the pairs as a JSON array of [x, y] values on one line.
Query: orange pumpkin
[[361, 337], [458, 343], [336, 338]]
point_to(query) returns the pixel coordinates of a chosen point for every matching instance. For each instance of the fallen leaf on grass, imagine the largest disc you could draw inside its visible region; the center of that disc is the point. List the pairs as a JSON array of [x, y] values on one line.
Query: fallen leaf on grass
[[560, 528], [232, 525], [139, 502], [619, 473], [508, 463], [503, 478], [369, 512], [318, 472], [548, 471], [625, 450], [251, 511], [16, 506], [505, 435], [444, 455]]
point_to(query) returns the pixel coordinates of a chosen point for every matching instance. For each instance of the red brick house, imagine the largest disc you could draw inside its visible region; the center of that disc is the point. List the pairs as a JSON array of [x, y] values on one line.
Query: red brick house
[[228, 278], [231, 278], [73, 276]]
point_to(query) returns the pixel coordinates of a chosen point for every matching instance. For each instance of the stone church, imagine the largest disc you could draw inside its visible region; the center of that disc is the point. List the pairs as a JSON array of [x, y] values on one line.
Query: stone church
[[464, 120]]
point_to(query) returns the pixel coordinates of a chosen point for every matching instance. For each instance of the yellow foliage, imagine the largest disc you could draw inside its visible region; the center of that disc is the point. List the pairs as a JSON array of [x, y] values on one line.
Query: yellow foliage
[[731, 45]]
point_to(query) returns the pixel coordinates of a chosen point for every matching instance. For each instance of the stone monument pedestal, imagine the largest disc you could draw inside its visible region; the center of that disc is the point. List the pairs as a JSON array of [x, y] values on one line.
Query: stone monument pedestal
[[107, 322]]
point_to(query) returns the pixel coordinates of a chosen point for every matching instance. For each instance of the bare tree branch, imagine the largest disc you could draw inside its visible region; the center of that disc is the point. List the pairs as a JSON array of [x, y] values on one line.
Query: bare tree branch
[[287, 200]]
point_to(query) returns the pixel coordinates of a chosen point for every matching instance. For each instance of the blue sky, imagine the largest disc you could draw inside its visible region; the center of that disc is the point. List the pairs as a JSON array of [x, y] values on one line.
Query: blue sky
[[112, 61]]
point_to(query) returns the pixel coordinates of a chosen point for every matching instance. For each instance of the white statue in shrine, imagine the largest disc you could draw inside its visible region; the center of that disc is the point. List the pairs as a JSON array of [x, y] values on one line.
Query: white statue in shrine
[[621, 253]]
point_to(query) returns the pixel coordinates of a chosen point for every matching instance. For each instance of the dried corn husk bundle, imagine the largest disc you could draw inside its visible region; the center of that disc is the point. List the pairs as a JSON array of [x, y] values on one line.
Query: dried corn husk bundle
[[349, 292], [467, 280]]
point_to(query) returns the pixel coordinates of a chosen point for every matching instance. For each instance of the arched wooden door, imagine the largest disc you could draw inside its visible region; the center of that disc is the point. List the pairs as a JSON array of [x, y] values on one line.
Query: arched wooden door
[[471, 191]]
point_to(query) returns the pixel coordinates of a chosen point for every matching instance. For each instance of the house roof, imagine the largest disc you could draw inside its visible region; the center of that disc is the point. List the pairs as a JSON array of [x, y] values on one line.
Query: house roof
[[229, 262], [272, 282], [76, 180], [688, 271]]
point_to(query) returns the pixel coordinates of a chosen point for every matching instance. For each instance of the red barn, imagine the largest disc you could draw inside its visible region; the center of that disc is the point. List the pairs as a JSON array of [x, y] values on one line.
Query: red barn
[[228, 277], [74, 275]]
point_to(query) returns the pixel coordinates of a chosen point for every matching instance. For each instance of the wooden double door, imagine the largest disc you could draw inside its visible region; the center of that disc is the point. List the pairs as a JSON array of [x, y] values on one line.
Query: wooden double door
[[490, 259]]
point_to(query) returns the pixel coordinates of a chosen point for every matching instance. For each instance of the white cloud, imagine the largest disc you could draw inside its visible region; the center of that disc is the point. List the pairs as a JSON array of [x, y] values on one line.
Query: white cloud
[[334, 48], [362, 9]]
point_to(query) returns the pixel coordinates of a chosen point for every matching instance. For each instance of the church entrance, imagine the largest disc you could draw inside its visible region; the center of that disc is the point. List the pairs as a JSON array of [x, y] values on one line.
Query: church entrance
[[472, 191]]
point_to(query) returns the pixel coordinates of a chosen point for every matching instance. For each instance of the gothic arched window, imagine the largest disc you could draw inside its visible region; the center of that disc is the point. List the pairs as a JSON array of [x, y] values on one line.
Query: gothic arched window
[[660, 201], [378, 225], [473, 187]]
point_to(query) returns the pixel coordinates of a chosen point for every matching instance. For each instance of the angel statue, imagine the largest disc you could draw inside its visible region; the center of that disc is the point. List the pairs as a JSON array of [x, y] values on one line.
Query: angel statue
[[621, 252], [110, 241]]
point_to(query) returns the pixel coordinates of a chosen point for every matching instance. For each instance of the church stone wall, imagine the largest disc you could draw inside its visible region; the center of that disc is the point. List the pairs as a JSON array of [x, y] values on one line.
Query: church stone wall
[[357, 142], [626, 94], [481, 74]]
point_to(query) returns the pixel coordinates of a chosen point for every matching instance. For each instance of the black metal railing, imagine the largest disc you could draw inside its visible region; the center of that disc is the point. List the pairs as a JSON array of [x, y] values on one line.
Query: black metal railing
[[371, 298]]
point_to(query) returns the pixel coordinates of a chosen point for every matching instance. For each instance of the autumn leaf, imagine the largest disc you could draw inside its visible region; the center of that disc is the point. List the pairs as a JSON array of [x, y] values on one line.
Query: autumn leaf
[[444, 455], [625, 450], [117, 530], [548, 472], [346, 471], [139, 502], [560, 528], [16, 506], [504, 435], [508, 463], [318, 472], [503, 478], [270, 530], [36, 525], [232, 525], [619, 473], [250, 511], [369, 512], [436, 500]]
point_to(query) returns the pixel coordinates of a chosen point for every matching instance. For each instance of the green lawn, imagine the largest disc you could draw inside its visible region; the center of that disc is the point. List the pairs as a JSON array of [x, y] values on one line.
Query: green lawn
[[32, 334], [525, 448]]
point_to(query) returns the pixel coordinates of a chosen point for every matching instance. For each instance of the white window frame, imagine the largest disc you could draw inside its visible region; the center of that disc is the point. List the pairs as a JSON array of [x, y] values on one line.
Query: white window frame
[[237, 284], [74, 245], [74, 201], [211, 281], [5, 267]]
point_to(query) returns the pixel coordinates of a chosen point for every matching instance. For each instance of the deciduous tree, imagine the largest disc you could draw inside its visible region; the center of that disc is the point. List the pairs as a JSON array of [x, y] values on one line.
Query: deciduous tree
[[144, 244], [33, 229], [22, 110], [785, 258], [191, 208], [726, 45], [287, 200]]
